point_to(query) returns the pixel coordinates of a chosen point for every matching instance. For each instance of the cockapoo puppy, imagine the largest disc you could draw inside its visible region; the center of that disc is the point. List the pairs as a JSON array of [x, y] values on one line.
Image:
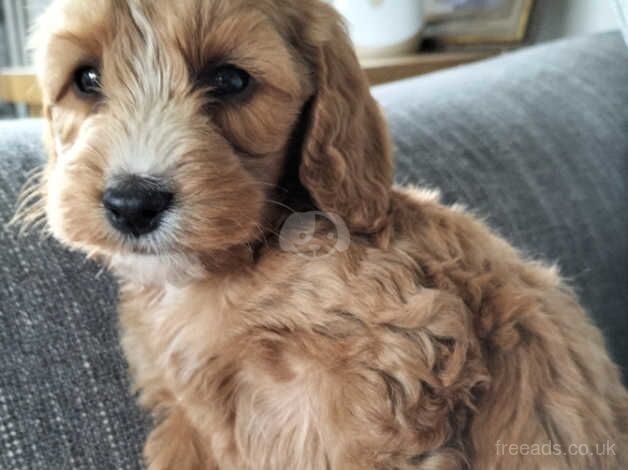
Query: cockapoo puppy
[[282, 304]]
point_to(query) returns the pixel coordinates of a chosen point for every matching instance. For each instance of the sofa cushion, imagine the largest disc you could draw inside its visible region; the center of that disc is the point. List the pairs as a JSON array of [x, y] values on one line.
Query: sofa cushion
[[64, 388]]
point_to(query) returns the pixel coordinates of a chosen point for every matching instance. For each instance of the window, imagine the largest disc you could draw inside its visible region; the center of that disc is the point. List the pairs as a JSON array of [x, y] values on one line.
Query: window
[[16, 17]]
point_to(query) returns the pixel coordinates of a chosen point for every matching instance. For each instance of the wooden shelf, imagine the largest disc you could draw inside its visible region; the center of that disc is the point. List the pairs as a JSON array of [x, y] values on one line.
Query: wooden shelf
[[396, 68], [18, 85]]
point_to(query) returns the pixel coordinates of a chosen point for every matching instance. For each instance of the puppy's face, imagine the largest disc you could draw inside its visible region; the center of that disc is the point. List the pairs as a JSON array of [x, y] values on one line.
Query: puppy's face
[[170, 124]]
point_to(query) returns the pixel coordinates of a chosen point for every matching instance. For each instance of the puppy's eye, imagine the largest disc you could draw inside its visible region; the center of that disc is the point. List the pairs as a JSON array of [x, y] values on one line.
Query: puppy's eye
[[228, 80], [87, 81]]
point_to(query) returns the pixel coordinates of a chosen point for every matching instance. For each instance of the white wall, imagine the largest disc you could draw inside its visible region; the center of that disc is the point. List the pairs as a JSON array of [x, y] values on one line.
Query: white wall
[[561, 18]]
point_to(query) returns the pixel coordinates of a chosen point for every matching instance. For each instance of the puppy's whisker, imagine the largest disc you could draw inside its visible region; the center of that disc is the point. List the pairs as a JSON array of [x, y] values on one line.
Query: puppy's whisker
[[33, 204], [40, 228], [30, 205], [33, 217], [91, 254], [261, 231], [32, 227], [268, 230], [282, 205], [28, 218], [28, 197], [33, 181], [34, 174], [274, 186]]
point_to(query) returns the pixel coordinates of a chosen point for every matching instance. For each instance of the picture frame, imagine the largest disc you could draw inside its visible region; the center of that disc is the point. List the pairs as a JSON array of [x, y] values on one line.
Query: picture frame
[[495, 22]]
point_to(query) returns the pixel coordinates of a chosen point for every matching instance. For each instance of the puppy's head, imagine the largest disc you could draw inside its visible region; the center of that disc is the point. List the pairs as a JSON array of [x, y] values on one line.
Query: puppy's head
[[173, 126]]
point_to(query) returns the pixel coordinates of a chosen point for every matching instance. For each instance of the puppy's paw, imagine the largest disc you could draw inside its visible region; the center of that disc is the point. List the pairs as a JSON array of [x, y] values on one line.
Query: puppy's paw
[[175, 445]]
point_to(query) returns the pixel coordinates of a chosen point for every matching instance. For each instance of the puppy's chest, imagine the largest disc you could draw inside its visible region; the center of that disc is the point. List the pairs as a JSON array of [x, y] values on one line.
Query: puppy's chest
[[167, 332], [173, 335], [172, 332]]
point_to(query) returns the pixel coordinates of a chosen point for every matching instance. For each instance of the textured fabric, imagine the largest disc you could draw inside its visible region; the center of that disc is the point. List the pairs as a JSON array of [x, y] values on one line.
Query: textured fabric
[[536, 141], [64, 388]]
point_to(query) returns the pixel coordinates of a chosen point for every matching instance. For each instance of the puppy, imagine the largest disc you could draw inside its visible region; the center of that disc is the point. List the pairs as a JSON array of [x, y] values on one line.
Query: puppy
[[282, 305]]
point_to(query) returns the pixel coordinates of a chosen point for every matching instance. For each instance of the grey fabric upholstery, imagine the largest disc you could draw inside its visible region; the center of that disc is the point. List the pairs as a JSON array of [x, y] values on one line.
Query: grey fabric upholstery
[[64, 388], [536, 141]]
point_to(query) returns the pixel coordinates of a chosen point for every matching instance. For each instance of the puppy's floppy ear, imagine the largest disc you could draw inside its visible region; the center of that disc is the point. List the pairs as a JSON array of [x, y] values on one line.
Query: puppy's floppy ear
[[346, 163]]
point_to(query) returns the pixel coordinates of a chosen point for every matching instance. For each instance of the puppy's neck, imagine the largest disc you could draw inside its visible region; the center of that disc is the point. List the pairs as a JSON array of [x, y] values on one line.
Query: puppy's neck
[[148, 270], [151, 270]]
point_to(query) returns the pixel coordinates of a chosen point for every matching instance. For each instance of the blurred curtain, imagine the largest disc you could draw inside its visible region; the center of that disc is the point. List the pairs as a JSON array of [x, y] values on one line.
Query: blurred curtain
[[622, 10], [16, 18]]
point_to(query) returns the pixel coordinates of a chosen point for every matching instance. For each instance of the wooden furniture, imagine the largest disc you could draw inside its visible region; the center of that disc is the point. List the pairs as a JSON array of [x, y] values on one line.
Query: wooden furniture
[[396, 68], [18, 85]]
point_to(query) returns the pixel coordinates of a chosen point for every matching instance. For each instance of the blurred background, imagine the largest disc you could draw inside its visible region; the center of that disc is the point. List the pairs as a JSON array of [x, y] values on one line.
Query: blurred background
[[395, 38]]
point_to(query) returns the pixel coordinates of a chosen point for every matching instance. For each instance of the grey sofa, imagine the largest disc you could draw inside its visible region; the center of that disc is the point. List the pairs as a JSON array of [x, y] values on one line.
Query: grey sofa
[[535, 141]]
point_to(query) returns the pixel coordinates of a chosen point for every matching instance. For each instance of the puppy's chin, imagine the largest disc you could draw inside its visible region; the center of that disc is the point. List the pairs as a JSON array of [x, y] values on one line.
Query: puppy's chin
[[145, 270], [138, 262]]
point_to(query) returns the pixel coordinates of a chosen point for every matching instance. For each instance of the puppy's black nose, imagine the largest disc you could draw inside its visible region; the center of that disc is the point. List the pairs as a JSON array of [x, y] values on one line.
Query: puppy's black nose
[[135, 205]]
